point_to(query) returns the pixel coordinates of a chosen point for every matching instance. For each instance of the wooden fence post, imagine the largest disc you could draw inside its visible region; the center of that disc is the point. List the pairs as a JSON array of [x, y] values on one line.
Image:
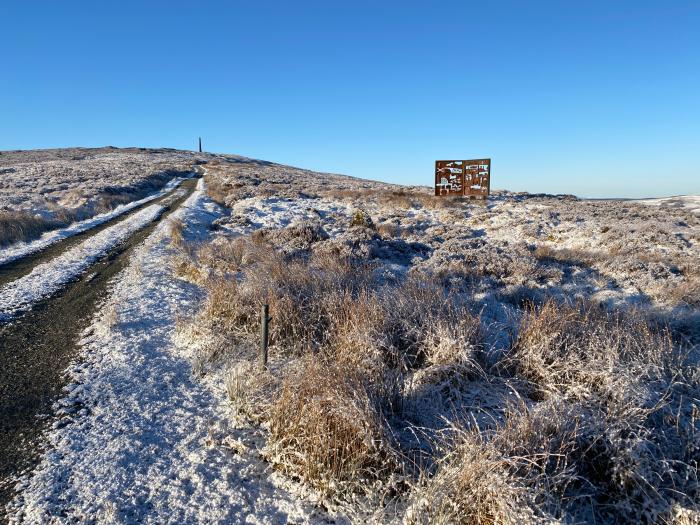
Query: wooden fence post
[[264, 335]]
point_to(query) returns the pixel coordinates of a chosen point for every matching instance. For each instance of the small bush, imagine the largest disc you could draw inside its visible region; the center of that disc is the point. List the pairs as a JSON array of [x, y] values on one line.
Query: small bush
[[474, 484], [557, 462], [389, 230], [362, 219], [216, 189], [579, 257], [687, 292], [176, 231], [398, 199]]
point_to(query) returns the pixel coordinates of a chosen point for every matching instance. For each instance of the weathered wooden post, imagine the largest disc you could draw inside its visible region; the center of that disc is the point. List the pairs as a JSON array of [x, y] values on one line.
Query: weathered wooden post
[[264, 334], [200, 144]]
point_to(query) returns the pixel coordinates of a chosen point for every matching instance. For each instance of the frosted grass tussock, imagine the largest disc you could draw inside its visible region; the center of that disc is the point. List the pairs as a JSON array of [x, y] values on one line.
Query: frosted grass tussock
[[519, 361]]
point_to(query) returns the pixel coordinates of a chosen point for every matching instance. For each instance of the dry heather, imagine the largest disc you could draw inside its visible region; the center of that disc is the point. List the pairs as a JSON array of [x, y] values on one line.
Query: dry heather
[[603, 419], [457, 363], [45, 189]]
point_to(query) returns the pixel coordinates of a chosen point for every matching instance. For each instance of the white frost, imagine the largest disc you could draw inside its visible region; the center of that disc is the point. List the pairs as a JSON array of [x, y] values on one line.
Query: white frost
[[689, 202], [22, 249], [142, 440], [47, 278]]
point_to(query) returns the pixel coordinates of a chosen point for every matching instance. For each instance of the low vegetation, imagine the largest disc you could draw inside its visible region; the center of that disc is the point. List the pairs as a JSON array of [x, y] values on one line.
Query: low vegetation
[[19, 226], [529, 360], [47, 189], [600, 424]]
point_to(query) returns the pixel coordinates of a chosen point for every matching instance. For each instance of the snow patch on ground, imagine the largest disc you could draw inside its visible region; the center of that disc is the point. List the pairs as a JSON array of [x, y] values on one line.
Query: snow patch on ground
[[141, 440], [689, 202], [47, 278], [274, 212], [22, 249]]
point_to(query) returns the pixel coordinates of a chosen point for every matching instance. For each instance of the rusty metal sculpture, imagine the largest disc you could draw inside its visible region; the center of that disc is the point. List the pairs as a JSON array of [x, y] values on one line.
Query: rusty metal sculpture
[[465, 178]]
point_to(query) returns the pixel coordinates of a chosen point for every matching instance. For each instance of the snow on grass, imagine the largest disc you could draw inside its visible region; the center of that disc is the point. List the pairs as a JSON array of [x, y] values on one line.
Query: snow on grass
[[22, 249], [78, 180], [142, 440], [276, 212], [47, 278], [689, 202]]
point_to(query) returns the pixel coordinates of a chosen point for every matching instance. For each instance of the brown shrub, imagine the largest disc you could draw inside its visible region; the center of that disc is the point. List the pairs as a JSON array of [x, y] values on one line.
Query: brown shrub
[[301, 296], [398, 199], [186, 268], [347, 344], [576, 256], [225, 255], [345, 194], [216, 189], [389, 230], [176, 232], [108, 201], [441, 203], [686, 292], [586, 462], [474, 484]]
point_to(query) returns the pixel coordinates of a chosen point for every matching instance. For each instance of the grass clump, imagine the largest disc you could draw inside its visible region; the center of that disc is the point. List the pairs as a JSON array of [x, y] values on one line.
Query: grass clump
[[176, 229], [16, 226], [327, 428], [601, 422], [217, 190], [341, 346], [474, 484], [581, 349]]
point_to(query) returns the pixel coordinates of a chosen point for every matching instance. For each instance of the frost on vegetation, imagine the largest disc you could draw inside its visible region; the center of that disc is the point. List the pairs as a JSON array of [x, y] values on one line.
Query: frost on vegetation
[[526, 360], [44, 190], [529, 360], [142, 440], [366, 375], [22, 249], [362, 219]]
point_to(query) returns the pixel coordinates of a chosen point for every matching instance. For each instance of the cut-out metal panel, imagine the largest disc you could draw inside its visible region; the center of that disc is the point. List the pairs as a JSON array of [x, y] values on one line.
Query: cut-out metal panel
[[468, 178]]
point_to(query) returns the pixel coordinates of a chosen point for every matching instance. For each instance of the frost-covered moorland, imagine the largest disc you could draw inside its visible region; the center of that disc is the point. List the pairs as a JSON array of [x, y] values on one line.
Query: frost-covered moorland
[[531, 359], [42, 190]]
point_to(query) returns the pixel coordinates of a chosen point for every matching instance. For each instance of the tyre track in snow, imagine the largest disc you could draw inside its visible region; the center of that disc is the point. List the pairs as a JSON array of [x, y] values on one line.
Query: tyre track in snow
[[138, 437], [49, 277], [20, 259], [38, 345]]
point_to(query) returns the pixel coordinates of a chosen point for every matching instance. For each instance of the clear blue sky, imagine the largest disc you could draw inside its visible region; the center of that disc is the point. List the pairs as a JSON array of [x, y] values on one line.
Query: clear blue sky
[[592, 98]]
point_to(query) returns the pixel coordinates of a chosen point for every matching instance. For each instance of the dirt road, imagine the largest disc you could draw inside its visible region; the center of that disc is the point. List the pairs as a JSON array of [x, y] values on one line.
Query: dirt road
[[36, 347]]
